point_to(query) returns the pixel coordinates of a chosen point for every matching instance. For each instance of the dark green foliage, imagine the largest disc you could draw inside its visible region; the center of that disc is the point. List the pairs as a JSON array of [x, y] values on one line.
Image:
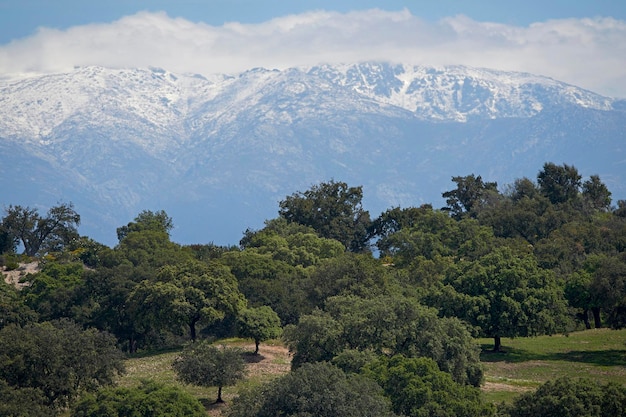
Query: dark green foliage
[[349, 274], [266, 281], [559, 183], [58, 359], [505, 294], [185, 295], [260, 323], [596, 193], [23, 402], [333, 210], [53, 292], [40, 235], [567, 397], [417, 388], [391, 324], [148, 399], [147, 220], [12, 307], [207, 365], [319, 390], [470, 196]]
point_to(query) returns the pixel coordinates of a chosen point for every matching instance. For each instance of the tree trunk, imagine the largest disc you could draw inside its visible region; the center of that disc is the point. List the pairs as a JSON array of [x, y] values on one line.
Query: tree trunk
[[586, 319], [497, 343], [256, 344], [219, 395], [132, 345], [596, 317], [192, 329]]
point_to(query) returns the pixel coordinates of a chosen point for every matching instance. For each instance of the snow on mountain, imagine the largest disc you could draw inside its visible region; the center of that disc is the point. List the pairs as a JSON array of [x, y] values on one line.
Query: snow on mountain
[[117, 141]]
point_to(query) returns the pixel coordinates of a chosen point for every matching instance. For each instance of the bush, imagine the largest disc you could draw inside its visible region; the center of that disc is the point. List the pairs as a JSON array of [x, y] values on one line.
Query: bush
[[149, 399], [566, 397], [314, 389]]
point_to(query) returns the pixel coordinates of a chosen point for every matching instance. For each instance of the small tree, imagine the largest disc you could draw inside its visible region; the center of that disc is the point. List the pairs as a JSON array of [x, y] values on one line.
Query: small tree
[[260, 323], [206, 365]]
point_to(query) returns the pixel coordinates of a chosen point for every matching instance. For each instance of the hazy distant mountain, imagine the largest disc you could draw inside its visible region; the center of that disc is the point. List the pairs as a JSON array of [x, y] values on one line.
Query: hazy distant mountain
[[218, 153]]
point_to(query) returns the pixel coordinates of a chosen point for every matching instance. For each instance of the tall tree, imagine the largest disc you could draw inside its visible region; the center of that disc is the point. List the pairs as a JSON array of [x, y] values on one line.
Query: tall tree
[[186, 294], [596, 193], [58, 359], [39, 234], [333, 210], [505, 294], [147, 220], [559, 183], [470, 195], [207, 366]]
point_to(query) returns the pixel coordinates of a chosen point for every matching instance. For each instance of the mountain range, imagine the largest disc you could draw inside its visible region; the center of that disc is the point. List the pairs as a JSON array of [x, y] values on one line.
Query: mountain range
[[219, 152]]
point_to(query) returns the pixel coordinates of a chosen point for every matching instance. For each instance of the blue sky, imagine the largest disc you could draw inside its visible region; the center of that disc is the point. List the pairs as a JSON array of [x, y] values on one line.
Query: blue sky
[[581, 42]]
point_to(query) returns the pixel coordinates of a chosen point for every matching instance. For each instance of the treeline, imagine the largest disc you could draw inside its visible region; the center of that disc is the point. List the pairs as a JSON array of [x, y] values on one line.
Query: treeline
[[394, 331]]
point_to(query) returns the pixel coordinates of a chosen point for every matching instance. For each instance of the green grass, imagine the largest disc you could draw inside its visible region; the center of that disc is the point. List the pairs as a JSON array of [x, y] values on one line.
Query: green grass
[[157, 366], [526, 363]]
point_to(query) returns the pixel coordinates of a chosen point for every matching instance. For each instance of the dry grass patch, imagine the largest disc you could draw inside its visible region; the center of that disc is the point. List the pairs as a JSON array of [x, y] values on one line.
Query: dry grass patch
[[272, 361]]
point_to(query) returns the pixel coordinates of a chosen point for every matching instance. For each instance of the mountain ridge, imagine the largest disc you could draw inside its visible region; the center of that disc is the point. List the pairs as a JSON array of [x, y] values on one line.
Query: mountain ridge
[[117, 141]]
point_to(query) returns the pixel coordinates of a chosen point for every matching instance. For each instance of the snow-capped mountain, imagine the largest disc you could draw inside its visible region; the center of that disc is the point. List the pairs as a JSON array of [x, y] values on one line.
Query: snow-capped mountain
[[218, 152]]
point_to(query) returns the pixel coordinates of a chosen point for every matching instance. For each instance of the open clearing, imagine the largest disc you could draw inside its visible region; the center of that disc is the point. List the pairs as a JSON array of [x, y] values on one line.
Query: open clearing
[[524, 364]]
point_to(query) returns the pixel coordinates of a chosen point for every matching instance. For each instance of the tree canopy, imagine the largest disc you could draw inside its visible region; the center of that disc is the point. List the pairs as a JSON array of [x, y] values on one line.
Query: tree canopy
[[316, 389], [207, 365], [40, 234], [333, 210]]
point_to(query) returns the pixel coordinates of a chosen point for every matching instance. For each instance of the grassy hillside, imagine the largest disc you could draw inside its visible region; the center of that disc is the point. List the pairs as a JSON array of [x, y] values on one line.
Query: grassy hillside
[[273, 360], [523, 365]]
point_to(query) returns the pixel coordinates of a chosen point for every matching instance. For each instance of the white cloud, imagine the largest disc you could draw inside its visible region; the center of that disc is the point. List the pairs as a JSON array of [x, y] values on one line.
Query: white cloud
[[590, 53]]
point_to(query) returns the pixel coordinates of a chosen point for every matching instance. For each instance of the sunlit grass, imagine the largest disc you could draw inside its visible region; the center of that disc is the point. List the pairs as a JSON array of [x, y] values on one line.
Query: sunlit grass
[[273, 361], [526, 363]]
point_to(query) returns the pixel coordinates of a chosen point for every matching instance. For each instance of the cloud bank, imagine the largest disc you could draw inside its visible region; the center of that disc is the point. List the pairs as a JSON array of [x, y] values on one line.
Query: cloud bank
[[589, 53]]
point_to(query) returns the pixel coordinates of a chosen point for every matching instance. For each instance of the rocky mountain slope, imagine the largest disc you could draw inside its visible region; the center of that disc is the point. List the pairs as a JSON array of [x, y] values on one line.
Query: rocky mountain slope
[[218, 153]]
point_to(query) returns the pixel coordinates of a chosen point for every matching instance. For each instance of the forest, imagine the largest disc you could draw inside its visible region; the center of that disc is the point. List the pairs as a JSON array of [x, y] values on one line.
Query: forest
[[381, 314]]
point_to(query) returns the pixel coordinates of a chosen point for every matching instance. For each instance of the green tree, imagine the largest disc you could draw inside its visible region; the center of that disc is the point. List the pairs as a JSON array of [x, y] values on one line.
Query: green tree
[[333, 210], [260, 323], [23, 402], [319, 390], [147, 220], [41, 234], [566, 397], [470, 195], [390, 325], [559, 183], [53, 291], [505, 294], [206, 365], [12, 307], [417, 388], [58, 359], [265, 280], [596, 193], [186, 294], [148, 399]]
